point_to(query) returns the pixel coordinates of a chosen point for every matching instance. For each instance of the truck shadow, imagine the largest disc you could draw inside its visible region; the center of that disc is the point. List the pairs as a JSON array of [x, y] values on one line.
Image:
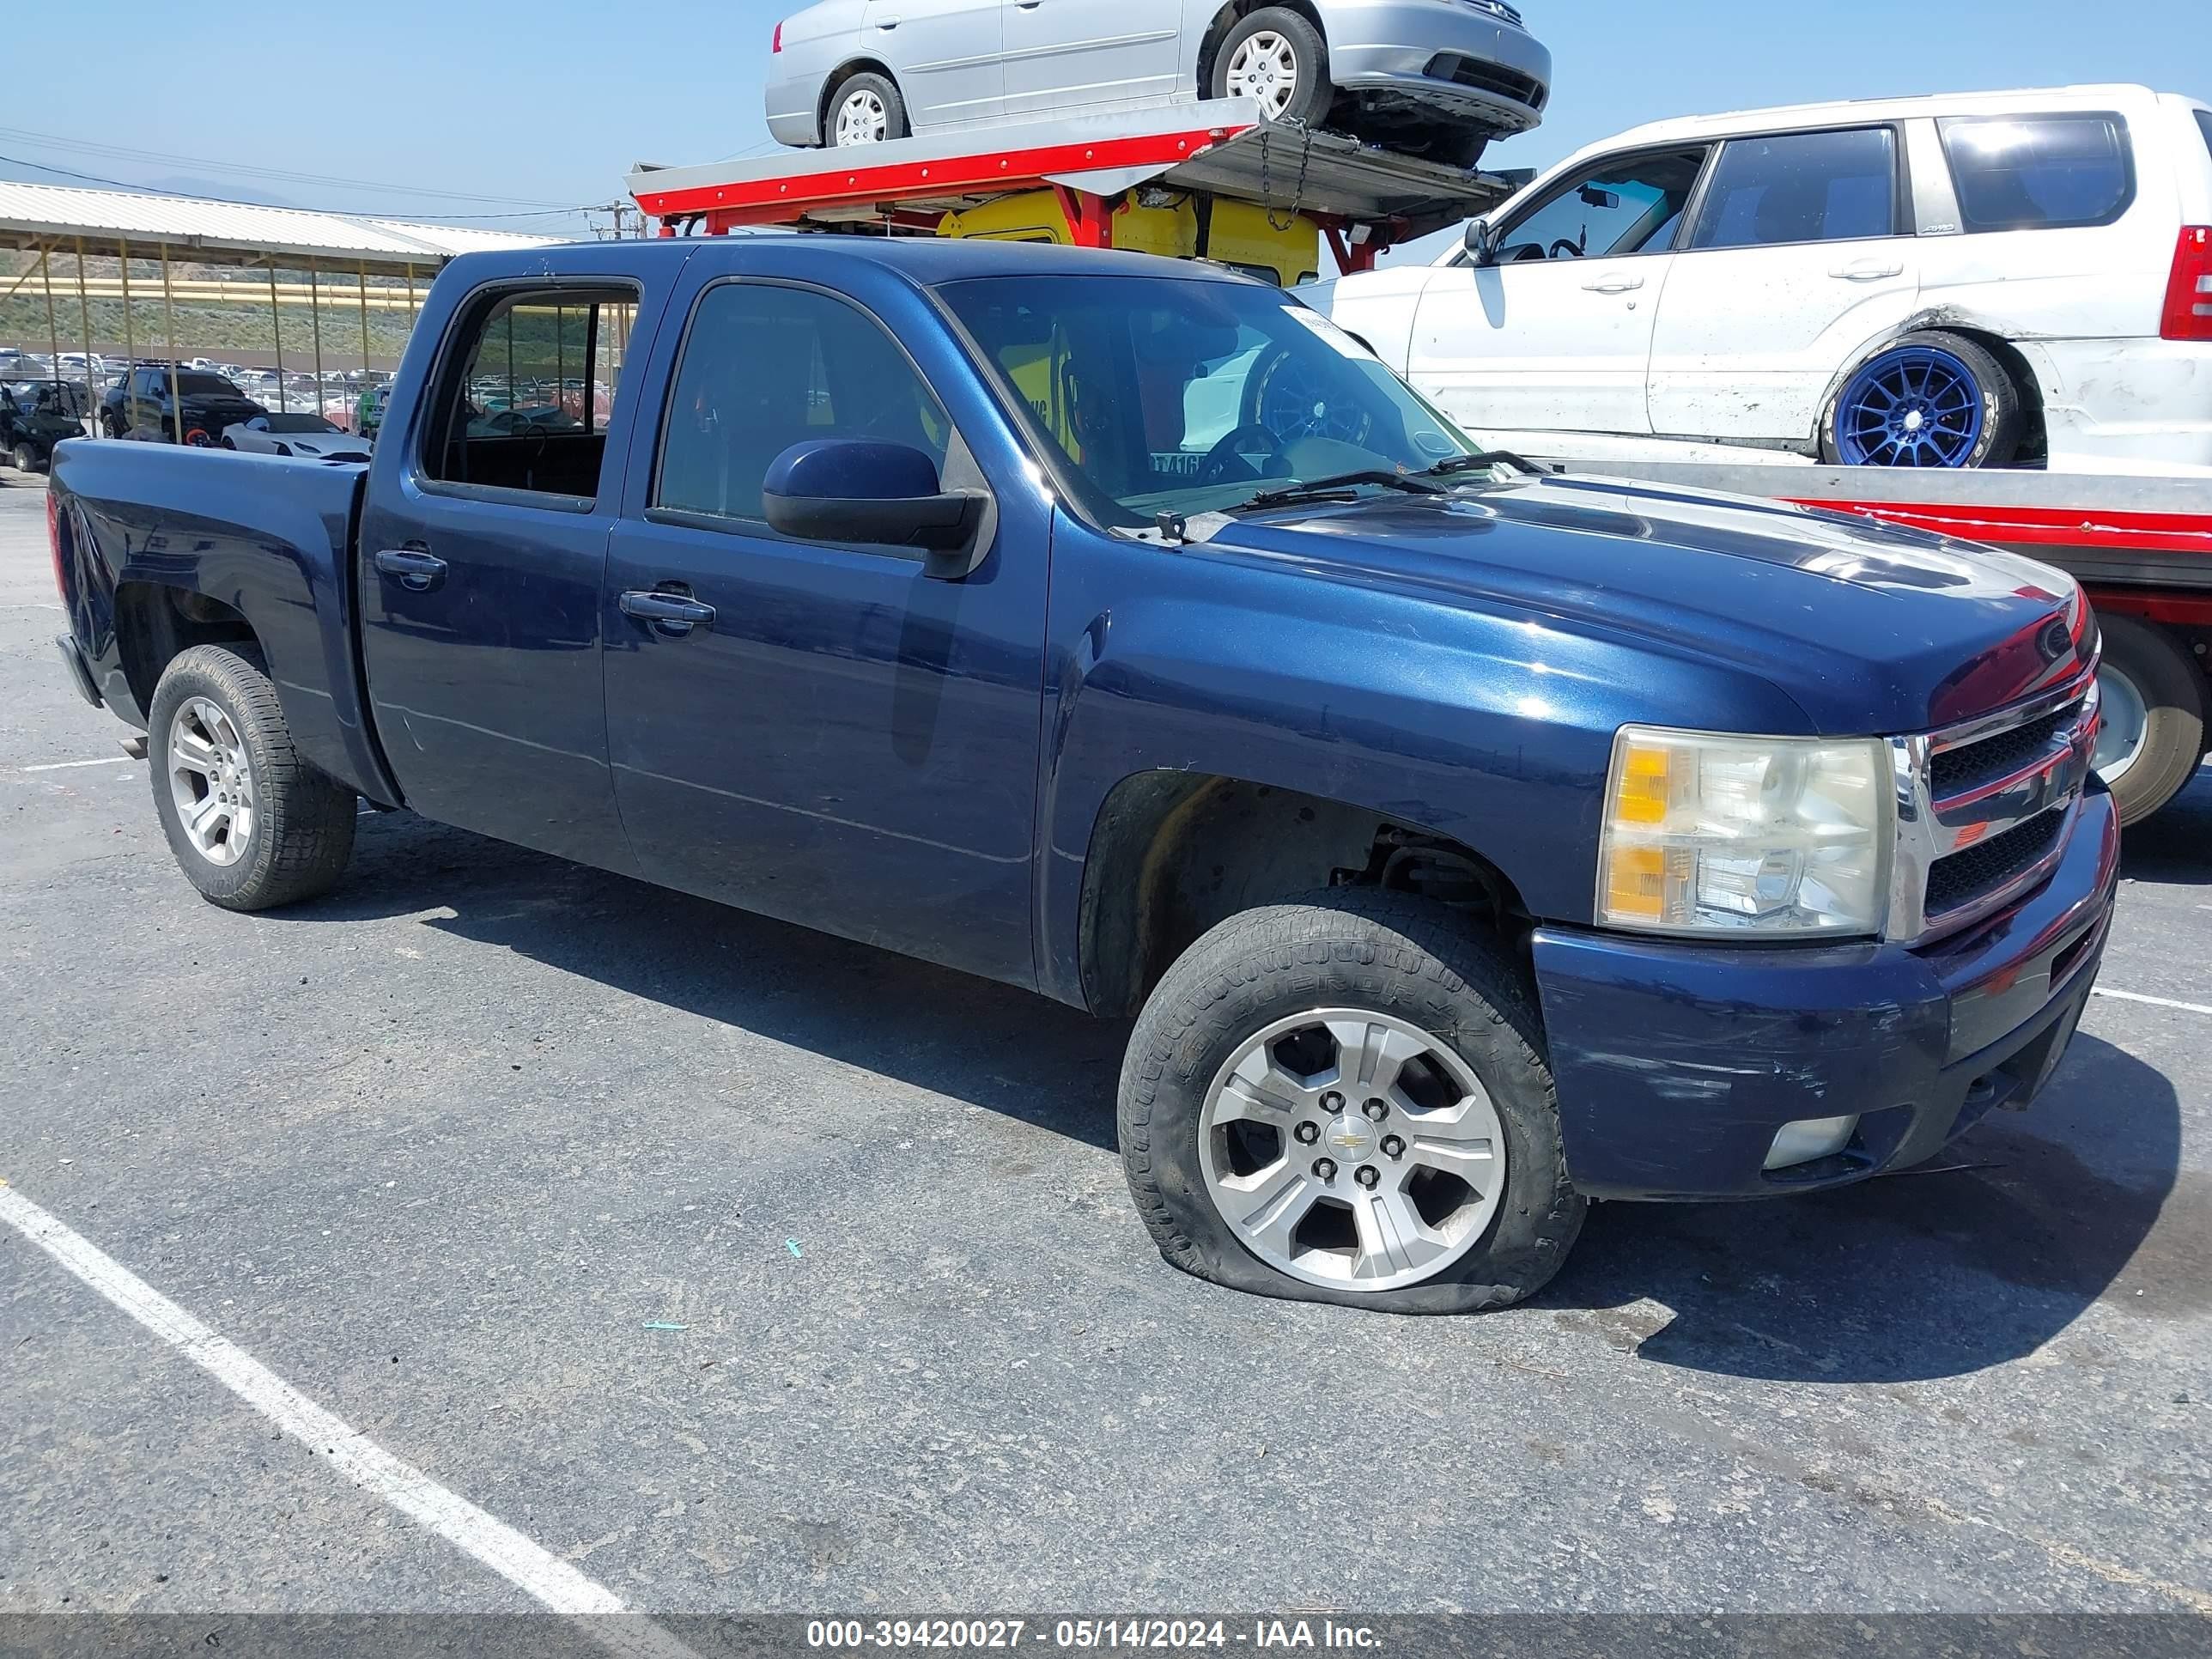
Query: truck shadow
[[2175, 843], [1926, 1274], [1983, 1255]]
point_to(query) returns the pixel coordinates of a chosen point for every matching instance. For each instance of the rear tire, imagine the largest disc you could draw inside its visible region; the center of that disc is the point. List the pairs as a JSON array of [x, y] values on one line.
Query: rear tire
[[26, 459], [1279, 57], [1926, 399], [866, 109], [1454, 1023], [2154, 736], [266, 829]]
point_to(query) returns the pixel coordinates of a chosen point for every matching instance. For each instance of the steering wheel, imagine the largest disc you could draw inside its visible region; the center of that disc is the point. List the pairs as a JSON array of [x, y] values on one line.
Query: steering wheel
[[1573, 250], [1214, 469]]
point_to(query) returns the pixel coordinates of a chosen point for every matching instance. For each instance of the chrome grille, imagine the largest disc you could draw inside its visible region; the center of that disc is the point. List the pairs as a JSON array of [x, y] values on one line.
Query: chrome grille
[[1983, 809]]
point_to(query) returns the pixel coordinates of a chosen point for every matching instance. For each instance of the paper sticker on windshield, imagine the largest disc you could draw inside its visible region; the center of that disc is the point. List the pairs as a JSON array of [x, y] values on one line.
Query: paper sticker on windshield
[[1343, 343]]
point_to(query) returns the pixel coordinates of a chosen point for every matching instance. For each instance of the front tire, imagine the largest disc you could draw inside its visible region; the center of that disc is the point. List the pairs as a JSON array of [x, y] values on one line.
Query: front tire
[[252, 824], [1346, 1099], [865, 109], [1927, 399], [2152, 735], [1276, 58], [26, 459]]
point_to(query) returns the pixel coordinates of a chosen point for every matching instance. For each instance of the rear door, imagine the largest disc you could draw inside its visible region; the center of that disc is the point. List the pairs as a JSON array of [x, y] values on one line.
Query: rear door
[[482, 555], [1091, 54], [840, 739], [1801, 255], [1556, 335], [944, 55]]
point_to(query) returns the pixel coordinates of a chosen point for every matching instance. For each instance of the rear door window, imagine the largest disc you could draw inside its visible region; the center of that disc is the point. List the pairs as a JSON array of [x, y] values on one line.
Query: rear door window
[[1801, 187], [2204, 126], [2039, 171]]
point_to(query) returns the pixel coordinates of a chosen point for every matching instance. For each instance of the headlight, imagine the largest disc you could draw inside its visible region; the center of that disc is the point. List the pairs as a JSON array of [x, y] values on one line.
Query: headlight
[[1767, 837]]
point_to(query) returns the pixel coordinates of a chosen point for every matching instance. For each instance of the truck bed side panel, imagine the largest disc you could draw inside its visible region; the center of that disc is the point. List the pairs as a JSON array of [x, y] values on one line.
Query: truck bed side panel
[[267, 537]]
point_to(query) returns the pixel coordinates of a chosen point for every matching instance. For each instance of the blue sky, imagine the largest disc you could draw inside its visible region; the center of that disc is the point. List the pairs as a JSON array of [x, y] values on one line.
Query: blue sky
[[509, 107]]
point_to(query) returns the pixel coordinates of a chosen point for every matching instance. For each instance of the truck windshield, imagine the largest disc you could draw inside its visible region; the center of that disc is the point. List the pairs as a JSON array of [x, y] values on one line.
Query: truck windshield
[[1183, 395]]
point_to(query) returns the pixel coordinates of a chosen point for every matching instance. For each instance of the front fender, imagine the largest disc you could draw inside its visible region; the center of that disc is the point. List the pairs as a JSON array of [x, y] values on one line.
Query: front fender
[[1491, 730]]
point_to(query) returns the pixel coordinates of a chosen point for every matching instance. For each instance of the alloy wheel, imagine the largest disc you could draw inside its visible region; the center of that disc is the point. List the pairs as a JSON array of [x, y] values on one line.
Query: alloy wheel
[[211, 780], [862, 118], [1352, 1148]]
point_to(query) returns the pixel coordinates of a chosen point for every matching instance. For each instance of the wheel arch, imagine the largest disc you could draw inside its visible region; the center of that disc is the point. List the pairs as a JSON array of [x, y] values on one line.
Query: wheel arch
[[1227, 18], [1174, 853], [1940, 320], [156, 622]]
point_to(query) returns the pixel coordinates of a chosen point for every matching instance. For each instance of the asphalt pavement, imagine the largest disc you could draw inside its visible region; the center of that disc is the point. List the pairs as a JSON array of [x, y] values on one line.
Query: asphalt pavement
[[739, 1267]]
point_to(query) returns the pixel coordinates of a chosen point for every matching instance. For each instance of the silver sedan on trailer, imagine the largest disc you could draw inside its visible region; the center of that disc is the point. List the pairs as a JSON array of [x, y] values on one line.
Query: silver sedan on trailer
[[1438, 78]]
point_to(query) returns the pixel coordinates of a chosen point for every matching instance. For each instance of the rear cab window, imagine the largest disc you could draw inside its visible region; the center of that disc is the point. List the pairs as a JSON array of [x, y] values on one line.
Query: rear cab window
[[2048, 171], [1786, 188], [524, 405]]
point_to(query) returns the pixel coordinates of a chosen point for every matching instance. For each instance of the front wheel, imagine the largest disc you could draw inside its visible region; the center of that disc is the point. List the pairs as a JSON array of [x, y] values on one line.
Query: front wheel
[[26, 459], [1278, 59], [252, 824], [1930, 399], [1346, 1099]]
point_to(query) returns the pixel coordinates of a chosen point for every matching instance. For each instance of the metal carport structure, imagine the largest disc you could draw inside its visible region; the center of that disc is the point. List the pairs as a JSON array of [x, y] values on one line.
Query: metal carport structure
[[126, 225]]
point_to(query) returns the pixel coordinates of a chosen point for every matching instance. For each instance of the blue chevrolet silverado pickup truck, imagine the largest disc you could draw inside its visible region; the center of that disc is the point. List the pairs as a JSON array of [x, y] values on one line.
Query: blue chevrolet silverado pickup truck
[[1466, 842]]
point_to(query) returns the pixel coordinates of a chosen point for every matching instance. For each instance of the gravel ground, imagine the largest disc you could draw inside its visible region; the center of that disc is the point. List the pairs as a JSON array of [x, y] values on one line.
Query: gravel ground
[[438, 1149]]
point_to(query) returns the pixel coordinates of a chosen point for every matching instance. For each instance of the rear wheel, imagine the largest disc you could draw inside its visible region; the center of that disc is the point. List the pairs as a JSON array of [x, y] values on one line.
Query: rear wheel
[[26, 459], [2152, 737], [1278, 59], [1346, 1099], [252, 824], [1930, 399], [865, 109]]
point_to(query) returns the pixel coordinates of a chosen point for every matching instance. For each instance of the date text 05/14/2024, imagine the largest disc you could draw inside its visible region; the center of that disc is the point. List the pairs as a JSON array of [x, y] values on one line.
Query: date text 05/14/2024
[[1170, 1635]]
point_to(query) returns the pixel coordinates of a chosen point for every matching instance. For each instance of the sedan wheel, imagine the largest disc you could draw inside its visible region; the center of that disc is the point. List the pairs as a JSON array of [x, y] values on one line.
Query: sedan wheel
[[862, 118], [1265, 69]]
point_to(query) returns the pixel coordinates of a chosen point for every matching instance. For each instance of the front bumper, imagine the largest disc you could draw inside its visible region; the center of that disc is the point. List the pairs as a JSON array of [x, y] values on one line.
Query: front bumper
[[1388, 46], [1677, 1064]]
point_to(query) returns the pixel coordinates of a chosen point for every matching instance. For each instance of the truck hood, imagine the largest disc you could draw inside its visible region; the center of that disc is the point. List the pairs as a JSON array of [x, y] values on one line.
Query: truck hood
[[1871, 629]]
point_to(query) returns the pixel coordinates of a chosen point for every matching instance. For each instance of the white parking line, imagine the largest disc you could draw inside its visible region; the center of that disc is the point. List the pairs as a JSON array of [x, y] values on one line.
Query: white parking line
[[64, 766], [543, 1577], [2155, 1002]]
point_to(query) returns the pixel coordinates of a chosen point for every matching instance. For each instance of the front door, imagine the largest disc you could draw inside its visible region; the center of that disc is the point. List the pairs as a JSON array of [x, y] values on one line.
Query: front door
[[1091, 54], [1555, 336], [838, 738], [1802, 257], [944, 56], [481, 568]]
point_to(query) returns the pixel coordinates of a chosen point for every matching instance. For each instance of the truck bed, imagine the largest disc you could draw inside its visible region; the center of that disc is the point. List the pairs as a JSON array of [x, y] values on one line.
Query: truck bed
[[260, 538]]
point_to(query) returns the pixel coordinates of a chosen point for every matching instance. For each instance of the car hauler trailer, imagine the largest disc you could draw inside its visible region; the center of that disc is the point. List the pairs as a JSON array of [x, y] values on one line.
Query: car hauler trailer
[[2140, 545], [1187, 179]]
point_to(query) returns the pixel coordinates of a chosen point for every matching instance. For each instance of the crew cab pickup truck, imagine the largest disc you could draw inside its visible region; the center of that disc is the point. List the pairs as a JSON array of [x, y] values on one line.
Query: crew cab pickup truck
[[1467, 843]]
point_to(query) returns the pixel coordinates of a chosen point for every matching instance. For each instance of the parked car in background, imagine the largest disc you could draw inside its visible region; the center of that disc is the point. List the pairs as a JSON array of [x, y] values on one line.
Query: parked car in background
[[35, 417], [202, 405], [308, 436], [1996, 279], [1438, 78]]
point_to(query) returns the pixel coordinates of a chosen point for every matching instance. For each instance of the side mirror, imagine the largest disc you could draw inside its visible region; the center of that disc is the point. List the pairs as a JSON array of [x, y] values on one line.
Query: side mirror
[[883, 495], [1482, 241]]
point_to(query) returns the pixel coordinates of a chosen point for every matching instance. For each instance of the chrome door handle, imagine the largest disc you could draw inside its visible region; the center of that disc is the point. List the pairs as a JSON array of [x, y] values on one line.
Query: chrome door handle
[[1614, 285]]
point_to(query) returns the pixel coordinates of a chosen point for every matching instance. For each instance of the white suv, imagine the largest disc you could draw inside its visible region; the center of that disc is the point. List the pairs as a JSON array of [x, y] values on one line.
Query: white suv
[[1987, 279]]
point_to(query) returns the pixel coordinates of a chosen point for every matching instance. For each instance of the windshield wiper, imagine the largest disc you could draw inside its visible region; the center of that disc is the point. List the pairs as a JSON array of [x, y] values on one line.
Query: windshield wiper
[[1339, 487], [1483, 458]]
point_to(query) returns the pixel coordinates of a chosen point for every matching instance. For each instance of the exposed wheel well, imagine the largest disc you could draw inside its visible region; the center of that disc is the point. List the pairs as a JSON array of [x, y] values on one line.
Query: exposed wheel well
[[1174, 853], [1227, 18], [155, 623], [2035, 443], [834, 82]]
